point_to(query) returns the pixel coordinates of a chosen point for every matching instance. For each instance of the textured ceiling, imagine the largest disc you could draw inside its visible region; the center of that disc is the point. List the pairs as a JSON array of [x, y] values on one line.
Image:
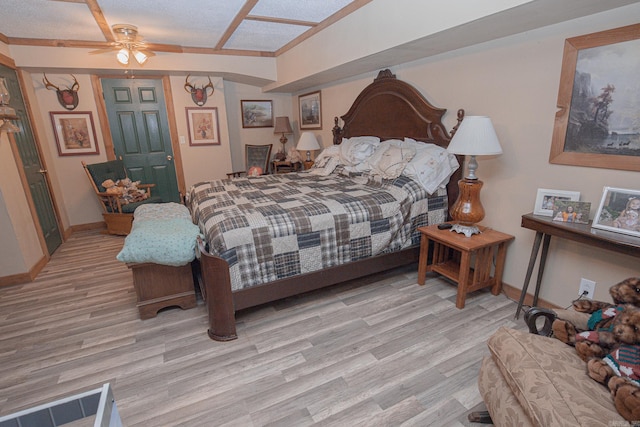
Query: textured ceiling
[[251, 27]]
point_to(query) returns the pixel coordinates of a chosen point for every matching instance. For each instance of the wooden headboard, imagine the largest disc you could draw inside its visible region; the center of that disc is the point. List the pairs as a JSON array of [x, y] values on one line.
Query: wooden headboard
[[392, 109]]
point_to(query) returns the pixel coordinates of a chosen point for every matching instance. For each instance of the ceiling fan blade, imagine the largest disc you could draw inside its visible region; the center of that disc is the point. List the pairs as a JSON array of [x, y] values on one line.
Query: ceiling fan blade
[[105, 50]]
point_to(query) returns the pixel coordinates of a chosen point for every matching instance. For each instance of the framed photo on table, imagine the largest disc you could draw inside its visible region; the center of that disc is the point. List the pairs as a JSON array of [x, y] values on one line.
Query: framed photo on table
[[310, 106], [599, 101], [569, 211], [619, 211], [203, 126], [74, 132], [546, 200]]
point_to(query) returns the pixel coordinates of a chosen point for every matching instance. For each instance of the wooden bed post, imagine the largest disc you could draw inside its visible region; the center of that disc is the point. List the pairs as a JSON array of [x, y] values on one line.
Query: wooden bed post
[[219, 298]]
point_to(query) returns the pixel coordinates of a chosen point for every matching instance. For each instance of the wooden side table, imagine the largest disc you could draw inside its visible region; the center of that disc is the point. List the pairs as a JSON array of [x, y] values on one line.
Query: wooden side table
[[285, 167], [453, 254]]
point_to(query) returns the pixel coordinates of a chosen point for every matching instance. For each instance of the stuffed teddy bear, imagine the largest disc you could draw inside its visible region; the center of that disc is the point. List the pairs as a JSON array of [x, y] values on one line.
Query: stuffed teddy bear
[[111, 187], [620, 369], [598, 340], [125, 188]]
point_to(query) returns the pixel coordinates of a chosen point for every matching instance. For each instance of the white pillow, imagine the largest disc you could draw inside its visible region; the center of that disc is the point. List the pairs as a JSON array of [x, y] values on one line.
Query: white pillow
[[324, 165], [354, 151], [432, 167], [389, 160]]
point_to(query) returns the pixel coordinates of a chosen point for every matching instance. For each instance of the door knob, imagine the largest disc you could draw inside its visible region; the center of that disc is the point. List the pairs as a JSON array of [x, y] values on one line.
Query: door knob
[[169, 158], [43, 171]]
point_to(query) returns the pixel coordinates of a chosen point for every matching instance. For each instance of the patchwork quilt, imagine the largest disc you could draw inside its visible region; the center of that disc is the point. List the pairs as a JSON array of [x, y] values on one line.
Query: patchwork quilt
[[275, 226]]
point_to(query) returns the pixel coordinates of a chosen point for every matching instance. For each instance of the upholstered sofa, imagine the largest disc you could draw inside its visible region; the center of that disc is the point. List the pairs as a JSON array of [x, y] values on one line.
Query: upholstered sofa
[[534, 380]]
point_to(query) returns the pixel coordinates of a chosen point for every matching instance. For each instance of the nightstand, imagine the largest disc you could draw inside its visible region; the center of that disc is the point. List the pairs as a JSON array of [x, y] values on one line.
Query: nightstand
[[453, 254], [285, 167]]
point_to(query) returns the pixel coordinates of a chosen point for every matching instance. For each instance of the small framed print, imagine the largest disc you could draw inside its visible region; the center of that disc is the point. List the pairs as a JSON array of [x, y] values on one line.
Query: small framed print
[[203, 126], [74, 132], [310, 106], [257, 114], [619, 211], [546, 199], [568, 211]]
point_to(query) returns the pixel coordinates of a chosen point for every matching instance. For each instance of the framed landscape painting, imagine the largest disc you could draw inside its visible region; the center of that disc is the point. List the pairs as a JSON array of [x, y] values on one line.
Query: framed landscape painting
[[257, 114], [599, 101], [310, 106]]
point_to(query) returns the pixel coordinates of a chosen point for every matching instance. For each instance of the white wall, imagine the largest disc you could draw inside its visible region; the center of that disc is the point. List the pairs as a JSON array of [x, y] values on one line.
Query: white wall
[[236, 92], [515, 81], [204, 162]]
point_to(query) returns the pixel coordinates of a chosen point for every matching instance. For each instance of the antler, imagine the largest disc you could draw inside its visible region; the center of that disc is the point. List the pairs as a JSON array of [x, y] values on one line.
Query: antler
[[187, 86], [48, 84], [75, 86], [210, 85]]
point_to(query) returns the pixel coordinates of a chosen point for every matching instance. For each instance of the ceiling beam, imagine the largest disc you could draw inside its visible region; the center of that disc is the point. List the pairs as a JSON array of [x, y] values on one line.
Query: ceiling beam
[[243, 13], [96, 11]]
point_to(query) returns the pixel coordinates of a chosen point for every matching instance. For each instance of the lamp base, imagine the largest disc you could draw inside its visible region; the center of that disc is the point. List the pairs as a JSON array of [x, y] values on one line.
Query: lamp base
[[467, 210], [467, 230]]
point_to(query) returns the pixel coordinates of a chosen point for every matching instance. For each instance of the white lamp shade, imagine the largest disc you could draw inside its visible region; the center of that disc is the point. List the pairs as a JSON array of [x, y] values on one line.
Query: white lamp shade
[[308, 142], [140, 56], [475, 137], [123, 56]]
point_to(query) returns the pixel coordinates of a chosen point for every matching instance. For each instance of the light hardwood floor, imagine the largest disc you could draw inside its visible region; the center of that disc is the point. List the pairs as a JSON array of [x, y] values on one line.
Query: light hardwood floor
[[379, 352]]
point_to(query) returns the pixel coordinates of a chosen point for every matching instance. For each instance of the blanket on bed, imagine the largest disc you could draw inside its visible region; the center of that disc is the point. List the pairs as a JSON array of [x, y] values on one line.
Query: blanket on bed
[[275, 226]]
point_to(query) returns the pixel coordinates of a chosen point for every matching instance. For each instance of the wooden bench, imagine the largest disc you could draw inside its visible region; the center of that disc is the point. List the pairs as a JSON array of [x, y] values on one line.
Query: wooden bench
[[161, 286], [160, 251]]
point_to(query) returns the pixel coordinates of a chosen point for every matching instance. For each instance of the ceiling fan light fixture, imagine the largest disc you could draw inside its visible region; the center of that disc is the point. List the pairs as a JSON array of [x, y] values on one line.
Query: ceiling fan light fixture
[[140, 56], [123, 56]]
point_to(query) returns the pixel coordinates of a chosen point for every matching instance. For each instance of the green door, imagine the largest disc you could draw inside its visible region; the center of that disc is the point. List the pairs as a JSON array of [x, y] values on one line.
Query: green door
[[32, 165], [140, 130]]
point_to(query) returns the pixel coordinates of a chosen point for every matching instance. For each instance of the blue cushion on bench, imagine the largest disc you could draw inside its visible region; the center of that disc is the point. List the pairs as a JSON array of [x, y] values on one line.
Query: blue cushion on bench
[[161, 234]]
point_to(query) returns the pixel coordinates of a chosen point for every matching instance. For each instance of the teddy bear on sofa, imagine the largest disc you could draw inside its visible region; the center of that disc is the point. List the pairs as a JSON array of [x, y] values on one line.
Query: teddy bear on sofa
[[620, 369], [598, 339]]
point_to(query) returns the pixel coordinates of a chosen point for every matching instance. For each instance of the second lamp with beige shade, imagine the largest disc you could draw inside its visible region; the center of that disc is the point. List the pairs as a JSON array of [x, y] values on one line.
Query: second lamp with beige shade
[[283, 126]]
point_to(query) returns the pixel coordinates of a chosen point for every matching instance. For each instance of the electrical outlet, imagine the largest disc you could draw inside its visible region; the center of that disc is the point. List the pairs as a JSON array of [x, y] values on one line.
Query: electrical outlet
[[588, 286]]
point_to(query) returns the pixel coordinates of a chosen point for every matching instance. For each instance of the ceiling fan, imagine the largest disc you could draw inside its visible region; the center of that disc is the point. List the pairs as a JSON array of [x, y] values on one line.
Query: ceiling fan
[[128, 43]]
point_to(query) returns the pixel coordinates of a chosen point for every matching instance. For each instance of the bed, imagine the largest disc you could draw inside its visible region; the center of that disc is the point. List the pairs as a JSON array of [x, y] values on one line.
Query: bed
[[290, 213]]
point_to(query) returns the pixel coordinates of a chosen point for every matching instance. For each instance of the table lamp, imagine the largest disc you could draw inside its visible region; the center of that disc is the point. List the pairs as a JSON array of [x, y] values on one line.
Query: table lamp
[[308, 142], [474, 137], [282, 126]]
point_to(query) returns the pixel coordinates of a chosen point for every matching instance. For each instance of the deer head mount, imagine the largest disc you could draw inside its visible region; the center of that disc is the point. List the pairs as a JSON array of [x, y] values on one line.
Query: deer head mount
[[68, 97], [198, 95]]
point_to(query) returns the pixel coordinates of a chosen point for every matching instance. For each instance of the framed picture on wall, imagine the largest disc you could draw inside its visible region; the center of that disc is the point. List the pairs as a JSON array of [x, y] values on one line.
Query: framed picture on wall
[[257, 114], [75, 133], [619, 211], [203, 126], [310, 106], [599, 101]]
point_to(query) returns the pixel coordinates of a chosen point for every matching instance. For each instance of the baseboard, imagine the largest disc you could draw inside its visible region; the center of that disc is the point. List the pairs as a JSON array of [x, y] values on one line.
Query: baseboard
[[30, 276], [513, 293], [89, 226]]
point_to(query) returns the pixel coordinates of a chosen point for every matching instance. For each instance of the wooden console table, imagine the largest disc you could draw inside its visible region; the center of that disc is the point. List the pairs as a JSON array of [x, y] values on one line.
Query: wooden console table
[[544, 226]]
